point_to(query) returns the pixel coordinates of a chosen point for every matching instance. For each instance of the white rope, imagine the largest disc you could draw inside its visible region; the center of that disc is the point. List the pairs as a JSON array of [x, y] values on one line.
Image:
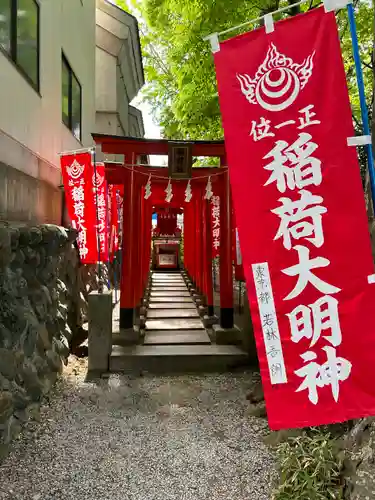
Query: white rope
[[166, 177], [257, 19]]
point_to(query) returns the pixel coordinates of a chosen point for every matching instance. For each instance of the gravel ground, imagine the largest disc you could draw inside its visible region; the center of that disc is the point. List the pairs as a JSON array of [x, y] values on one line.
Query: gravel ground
[[148, 438]]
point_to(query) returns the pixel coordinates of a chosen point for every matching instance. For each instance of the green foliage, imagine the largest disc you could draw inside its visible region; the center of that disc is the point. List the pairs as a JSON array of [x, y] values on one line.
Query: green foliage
[[365, 28], [179, 68], [181, 84], [310, 468]]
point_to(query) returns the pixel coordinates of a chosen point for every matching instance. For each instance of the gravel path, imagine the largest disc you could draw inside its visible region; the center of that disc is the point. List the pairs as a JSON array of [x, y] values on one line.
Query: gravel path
[[149, 438]]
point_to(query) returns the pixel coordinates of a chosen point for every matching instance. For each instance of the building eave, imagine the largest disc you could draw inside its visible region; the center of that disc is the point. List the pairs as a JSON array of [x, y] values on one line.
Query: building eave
[[133, 41]]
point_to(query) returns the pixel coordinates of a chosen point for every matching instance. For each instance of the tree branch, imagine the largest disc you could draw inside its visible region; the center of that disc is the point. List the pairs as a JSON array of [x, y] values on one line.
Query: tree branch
[[367, 65], [359, 125], [294, 10]]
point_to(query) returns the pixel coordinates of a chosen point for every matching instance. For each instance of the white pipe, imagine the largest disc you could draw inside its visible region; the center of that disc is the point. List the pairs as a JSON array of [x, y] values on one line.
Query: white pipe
[[75, 151]]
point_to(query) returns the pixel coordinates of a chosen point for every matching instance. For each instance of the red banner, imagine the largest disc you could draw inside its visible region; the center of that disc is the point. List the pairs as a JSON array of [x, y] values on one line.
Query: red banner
[[113, 216], [302, 221], [215, 211], [77, 177], [101, 199], [120, 198]]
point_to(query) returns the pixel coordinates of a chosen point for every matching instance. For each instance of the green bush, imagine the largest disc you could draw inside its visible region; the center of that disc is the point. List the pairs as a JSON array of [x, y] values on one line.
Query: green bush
[[310, 468]]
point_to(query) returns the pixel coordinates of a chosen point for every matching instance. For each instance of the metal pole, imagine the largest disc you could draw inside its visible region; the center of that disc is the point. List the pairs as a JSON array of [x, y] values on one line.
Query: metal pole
[[362, 98], [97, 223]]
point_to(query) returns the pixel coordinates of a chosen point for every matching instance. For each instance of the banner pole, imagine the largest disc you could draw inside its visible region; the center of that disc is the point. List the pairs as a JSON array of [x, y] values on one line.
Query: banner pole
[[362, 98], [97, 222], [75, 151], [114, 277]]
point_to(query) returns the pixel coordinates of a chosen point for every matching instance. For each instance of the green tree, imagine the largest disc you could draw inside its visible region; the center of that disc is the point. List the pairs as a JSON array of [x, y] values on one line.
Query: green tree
[[181, 87], [181, 84]]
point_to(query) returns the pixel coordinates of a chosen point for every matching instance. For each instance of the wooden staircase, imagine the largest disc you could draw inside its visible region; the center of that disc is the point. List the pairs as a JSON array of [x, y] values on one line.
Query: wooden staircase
[[175, 339]]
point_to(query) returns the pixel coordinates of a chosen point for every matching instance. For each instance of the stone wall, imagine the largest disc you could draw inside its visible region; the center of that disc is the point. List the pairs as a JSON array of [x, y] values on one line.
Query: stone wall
[[43, 299]]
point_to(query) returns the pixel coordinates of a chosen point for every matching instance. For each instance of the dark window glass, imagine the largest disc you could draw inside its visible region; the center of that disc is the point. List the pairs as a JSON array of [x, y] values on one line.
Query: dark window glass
[[76, 107], [27, 38], [5, 24], [65, 92], [71, 100], [19, 35]]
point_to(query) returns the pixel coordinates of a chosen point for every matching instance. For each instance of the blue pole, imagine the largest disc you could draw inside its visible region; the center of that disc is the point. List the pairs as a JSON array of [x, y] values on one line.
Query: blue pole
[[362, 98]]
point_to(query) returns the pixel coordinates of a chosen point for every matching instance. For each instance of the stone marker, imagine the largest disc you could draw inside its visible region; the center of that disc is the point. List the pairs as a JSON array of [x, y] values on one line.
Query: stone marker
[[100, 331]]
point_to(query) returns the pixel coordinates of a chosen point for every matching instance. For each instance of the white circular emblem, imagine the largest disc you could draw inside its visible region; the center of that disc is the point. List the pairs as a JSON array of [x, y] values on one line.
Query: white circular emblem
[[276, 95], [277, 82], [75, 170]]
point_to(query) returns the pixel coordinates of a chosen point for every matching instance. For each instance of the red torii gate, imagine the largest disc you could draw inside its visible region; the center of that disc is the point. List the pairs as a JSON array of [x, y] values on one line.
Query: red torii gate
[[137, 220]]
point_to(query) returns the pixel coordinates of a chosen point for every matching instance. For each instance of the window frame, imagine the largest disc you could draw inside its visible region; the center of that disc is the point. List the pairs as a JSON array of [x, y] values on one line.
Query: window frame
[[12, 54], [71, 73]]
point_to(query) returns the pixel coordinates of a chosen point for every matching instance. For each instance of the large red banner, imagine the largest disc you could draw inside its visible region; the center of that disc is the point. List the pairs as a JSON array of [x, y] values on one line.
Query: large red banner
[[77, 177], [302, 220]]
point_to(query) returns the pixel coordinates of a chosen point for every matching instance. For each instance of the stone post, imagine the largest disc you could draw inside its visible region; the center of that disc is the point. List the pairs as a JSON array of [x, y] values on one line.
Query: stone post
[[100, 331]]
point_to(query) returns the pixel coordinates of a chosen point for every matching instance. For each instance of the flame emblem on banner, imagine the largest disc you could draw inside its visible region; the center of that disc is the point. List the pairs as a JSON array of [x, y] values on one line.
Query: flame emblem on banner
[[97, 180], [75, 170], [277, 82]]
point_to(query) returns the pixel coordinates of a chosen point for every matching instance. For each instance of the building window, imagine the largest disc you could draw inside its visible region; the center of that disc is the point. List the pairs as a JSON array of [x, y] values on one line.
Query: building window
[[19, 36], [71, 100]]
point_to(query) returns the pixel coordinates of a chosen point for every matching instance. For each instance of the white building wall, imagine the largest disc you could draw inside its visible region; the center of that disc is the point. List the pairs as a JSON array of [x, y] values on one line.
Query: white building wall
[[106, 99], [118, 72], [31, 129]]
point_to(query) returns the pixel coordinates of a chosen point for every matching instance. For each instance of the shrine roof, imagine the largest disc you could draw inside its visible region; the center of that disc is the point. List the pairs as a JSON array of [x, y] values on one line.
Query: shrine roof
[[116, 144]]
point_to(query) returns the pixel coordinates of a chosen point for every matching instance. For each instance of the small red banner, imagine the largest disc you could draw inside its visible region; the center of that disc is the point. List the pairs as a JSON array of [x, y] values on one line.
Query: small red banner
[[215, 212], [101, 200], [114, 200], [302, 220], [77, 177]]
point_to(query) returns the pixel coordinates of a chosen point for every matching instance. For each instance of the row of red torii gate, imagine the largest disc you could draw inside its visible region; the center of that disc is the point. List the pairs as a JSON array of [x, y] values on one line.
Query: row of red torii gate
[[197, 233]]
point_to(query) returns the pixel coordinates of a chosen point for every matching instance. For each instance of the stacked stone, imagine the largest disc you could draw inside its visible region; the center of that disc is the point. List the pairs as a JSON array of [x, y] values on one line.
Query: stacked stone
[[41, 304]]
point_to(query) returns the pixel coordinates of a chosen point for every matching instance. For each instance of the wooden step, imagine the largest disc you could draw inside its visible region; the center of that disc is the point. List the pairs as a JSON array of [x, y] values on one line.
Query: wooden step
[[160, 284], [166, 276], [173, 337], [176, 358], [172, 313], [169, 289], [165, 280], [167, 293], [170, 283], [174, 324], [173, 299], [172, 305]]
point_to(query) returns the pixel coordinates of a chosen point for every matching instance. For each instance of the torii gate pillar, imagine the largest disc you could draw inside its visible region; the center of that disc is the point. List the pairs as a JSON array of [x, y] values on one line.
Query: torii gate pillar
[[127, 294]]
